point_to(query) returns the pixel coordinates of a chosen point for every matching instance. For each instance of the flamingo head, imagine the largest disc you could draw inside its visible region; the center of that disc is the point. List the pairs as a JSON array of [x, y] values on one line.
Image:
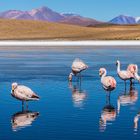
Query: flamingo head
[[70, 76], [133, 68], [102, 71], [14, 86], [136, 68]]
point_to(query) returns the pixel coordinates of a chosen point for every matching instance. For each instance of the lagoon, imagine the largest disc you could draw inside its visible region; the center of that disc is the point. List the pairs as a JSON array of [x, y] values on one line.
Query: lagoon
[[66, 110]]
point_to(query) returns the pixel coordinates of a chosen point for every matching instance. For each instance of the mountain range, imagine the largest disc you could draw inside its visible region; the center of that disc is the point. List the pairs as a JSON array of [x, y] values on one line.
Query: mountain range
[[47, 14]]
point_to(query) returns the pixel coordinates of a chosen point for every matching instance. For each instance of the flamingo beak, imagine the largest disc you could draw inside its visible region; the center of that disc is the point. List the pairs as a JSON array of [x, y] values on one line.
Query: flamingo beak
[[13, 89]]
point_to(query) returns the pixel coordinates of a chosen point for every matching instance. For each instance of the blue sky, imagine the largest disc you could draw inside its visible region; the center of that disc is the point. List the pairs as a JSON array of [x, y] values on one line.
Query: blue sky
[[98, 9]]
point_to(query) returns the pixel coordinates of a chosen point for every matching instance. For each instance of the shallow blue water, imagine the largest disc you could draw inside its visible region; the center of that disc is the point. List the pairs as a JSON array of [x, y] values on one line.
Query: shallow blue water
[[68, 111]]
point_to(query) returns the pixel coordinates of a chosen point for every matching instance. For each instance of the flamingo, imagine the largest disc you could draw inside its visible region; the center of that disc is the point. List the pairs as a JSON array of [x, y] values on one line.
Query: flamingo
[[125, 74], [137, 77], [23, 93], [77, 67], [133, 68], [108, 82]]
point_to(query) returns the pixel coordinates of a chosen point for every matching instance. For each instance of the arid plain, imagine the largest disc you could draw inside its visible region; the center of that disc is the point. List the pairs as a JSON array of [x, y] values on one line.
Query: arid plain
[[40, 30]]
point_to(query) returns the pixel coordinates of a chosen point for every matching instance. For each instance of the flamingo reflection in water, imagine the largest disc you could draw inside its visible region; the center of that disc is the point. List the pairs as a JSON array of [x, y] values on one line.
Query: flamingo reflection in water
[[108, 114], [136, 120], [23, 119], [78, 95], [127, 98]]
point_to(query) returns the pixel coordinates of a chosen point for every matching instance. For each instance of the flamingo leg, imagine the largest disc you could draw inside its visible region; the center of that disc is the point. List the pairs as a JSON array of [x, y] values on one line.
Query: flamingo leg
[[26, 105], [107, 98], [22, 105], [80, 82], [134, 83], [78, 78], [131, 87], [131, 83], [125, 84]]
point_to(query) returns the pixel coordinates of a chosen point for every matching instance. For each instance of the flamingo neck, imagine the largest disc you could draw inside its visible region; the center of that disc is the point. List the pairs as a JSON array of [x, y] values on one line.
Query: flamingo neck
[[103, 75], [137, 76], [136, 68], [118, 67]]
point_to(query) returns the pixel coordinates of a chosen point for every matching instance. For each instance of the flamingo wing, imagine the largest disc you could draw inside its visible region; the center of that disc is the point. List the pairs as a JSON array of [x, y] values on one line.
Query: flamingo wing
[[132, 68], [25, 92], [125, 75], [109, 82]]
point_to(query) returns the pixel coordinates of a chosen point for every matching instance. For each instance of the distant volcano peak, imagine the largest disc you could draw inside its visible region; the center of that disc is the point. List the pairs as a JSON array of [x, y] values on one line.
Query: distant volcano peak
[[123, 19]]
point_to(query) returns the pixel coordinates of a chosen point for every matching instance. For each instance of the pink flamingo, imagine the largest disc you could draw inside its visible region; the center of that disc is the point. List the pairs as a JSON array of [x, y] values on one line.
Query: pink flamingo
[[108, 82], [77, 67], [126, 74], [133, 68]]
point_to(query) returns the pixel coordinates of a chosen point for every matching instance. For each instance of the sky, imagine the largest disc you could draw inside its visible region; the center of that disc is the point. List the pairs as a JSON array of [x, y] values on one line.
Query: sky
[[103, 10]]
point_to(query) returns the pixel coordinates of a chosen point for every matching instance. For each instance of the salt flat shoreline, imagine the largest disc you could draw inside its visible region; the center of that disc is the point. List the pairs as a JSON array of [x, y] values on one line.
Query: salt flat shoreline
[[44, 44], [67, 43]]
